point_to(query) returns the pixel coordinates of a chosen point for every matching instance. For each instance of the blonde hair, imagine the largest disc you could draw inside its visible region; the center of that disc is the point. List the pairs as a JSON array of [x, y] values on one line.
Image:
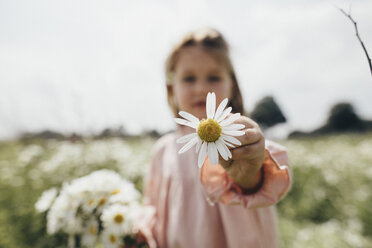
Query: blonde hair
[[212, 42]]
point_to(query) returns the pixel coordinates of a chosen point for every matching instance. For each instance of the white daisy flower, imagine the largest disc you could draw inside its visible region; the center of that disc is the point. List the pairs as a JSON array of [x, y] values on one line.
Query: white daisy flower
[[46, 200], [126, 193], [214, 134], [117, 218], [111, 239], [90, 234]]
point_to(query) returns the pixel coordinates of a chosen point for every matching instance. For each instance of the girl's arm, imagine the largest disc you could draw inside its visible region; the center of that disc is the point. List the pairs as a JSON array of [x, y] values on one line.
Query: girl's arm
[[245, 166], [275, 182]]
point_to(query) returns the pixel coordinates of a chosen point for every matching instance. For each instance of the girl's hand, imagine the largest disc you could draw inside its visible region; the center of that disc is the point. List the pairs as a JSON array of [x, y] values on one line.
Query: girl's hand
[[245, 165]]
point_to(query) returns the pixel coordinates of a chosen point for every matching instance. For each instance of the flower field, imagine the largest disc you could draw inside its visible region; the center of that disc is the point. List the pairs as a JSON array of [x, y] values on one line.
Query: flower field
[[329, 205]]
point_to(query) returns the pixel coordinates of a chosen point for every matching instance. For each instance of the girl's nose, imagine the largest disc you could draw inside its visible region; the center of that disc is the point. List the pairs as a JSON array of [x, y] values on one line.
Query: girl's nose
[[201, 87]]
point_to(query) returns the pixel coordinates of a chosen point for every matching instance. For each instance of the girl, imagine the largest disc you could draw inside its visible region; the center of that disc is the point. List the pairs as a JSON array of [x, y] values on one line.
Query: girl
[[227, 205]]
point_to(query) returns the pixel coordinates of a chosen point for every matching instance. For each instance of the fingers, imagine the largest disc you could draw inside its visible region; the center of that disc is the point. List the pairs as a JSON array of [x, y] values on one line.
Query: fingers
[[249, 151], [249, 123], [252, 131], [251, 136], [252, 149], [252, 143]]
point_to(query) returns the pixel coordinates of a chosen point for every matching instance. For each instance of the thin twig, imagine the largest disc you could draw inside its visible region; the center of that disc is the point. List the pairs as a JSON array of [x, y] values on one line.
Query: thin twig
[[357, 34]]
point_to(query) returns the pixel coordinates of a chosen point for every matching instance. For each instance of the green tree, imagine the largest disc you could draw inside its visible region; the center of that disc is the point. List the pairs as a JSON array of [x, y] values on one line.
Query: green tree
[[343, 117], [267, 113]]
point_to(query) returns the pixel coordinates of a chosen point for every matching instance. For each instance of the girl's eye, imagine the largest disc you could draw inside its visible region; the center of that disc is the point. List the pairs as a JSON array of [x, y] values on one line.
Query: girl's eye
[[214, 79], [189, 79]]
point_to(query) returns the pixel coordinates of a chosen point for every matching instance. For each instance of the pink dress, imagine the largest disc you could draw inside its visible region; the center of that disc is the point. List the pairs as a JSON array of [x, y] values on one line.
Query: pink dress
[[203, 207]]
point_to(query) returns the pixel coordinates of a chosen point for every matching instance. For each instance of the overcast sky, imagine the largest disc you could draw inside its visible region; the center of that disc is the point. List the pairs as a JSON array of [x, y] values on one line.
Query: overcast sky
[[75, 66]]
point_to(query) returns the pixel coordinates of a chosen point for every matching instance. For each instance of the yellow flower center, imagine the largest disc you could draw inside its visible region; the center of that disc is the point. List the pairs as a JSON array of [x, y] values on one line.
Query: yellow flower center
[[209, 130], [118, 218], [91, 202], [113, 238], [115, 192], [93, 230], [102, 201]]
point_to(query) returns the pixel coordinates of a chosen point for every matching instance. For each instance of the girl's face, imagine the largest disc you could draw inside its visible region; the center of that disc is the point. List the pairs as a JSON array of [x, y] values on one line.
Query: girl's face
[[196, 74]]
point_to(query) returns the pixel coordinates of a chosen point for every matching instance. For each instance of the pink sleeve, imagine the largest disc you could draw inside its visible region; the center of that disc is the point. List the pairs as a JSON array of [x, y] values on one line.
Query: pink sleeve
[[276, 181]]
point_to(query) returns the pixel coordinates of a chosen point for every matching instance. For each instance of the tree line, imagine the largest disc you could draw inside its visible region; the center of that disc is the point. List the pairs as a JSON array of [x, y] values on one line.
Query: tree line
[[342, 118]]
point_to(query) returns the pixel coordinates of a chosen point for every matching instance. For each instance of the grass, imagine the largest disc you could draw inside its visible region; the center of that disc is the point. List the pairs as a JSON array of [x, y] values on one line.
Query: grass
[[329, 204]]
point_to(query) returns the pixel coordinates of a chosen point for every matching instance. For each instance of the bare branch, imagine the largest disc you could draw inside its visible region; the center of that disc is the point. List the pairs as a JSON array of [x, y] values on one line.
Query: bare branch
[[357, 35]]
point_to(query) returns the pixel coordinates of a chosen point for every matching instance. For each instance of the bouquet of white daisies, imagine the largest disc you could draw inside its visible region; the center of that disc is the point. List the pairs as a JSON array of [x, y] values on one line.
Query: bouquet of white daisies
[[100, 208]]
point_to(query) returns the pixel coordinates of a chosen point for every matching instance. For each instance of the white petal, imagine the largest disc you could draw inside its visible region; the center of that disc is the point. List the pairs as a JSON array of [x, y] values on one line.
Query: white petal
[[227, 150], [233, 127], [185, 122], [188, 145], [221, 149], [186, 138], [228, 144], [230, 119], [198, 144], [212, 153], [202, 154], [211, 105], [231, 139], [208, 104], [224, 114], [189, 117], [220, 108], [234, 133]]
